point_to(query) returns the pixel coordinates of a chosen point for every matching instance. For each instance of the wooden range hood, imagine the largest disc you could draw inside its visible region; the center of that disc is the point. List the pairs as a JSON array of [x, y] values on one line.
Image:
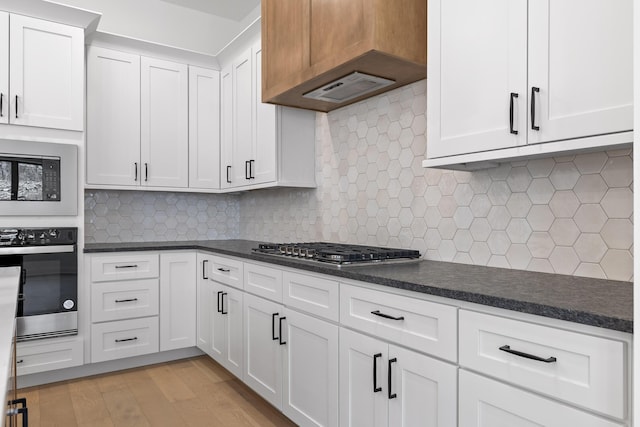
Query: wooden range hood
[[307, 44]]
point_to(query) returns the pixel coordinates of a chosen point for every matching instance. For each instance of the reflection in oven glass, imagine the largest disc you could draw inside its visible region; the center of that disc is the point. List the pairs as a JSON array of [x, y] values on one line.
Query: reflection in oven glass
[[29, 181], [5, 180]]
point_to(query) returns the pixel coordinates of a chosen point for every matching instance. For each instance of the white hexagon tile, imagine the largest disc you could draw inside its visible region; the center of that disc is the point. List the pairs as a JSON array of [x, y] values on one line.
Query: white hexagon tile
[[568, 215]]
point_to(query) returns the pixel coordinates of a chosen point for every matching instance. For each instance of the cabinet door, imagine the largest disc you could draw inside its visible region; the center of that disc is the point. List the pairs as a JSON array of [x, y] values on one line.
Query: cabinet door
[[580, 59], [263, 162], [177, 300], [425, 390], [113, 117], [204, 128], [263, 349], [477, 58], [363, 385], [232, 306], [310, 395], [164, 123], [4, 67], [218, 326], [242, 119], [226, 128], [204, 309], [47, 74], [488, 403]]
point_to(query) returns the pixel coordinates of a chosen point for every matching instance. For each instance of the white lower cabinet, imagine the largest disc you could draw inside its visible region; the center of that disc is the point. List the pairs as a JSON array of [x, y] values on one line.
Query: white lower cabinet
[[489, 403], [385, 385], [124, 338], [49, 354], [310, 377], [226, 326], [263, 347], [291, 359], [177, 300]]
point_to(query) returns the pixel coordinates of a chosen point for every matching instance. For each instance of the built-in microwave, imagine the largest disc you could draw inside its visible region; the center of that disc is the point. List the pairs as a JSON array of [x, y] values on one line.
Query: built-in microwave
[[38, 178]]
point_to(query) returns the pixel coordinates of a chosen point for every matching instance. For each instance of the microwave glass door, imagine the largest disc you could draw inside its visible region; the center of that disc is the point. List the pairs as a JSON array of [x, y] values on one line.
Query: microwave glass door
[[30, 181]]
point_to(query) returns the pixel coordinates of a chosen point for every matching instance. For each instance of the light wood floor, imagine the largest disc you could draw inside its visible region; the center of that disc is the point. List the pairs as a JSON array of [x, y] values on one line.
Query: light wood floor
[[190, 392]]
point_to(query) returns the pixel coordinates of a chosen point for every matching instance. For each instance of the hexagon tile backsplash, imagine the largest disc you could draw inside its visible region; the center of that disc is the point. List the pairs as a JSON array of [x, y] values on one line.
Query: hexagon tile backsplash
[[569, 215]]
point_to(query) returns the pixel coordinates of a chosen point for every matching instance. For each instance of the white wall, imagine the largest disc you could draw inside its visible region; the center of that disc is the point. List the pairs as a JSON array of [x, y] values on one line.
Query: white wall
[[165, 23]]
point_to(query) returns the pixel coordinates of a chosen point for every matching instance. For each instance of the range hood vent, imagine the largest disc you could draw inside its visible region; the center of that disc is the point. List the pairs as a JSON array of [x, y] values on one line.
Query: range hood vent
[[348, 87]]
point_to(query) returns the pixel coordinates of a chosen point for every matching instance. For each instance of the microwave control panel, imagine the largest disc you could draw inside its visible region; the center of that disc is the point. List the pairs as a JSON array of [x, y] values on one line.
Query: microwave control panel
[[51, 180]]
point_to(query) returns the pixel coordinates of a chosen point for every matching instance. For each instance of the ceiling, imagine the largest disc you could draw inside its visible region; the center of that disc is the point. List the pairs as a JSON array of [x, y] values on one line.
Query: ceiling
[[230, 9]]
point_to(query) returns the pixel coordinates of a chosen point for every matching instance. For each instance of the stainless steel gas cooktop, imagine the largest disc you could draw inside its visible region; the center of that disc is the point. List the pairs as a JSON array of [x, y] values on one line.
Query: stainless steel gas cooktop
[[338, 253]]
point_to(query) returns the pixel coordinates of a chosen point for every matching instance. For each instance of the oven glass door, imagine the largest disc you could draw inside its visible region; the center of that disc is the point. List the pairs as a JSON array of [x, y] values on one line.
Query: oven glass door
[[49, 282]]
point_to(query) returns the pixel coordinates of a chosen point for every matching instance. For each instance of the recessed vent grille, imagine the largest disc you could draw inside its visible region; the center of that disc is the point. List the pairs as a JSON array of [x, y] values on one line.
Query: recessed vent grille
[[348, 87]]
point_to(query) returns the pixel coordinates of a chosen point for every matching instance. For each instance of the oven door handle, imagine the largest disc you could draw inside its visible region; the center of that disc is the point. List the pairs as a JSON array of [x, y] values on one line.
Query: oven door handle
[[30, 250]]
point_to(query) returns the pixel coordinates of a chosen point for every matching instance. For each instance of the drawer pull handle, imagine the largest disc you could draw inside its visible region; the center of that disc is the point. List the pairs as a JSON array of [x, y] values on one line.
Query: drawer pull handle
[[224, 270], [127, 300], [273, 326], [127, 266], [280, 330], [527, 355], [375, 373], [391, 395], [128, 339], [387, 316]]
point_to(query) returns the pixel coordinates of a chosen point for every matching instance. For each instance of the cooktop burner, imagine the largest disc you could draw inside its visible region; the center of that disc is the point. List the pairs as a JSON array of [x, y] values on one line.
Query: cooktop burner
[[337, 253]]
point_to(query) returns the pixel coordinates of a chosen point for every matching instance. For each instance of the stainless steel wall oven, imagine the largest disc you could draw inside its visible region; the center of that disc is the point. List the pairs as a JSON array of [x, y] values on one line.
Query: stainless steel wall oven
[[47, 300]]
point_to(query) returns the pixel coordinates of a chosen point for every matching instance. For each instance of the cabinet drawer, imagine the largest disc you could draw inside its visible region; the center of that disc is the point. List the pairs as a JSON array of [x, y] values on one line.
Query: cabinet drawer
[[263, 281], [124, 267], [422, 325], [312, 294], [227, 271], [124, 338], [49, 354], [124, 300], [577, 368], [485, 402]]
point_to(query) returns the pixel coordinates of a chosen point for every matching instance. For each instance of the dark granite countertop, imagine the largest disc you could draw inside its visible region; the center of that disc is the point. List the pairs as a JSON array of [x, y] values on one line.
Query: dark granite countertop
[[603, 303]]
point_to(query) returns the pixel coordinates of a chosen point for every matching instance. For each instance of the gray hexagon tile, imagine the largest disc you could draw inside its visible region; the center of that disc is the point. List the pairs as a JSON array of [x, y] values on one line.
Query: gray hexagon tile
[[568, 215]]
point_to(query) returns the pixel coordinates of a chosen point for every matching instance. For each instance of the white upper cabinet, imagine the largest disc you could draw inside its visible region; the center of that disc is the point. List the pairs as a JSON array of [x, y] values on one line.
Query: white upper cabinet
[[4, 67], [45, 63], [506, 75], [164, 123], [113, 117], [581, 60], [204, 128], [262, 145]]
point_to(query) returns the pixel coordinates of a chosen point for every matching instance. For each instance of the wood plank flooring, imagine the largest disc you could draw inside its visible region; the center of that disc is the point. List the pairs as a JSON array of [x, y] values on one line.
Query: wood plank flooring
[[189, 392]]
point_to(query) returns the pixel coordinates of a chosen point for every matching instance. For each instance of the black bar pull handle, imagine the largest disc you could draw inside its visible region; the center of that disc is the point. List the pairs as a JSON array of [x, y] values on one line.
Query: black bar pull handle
[[1, 99], [375, 373], [128, 339], [246, 170], [391, 395], [16, 106], [251, 171], [228, 180], [127, 300], [135, 176], [146, 172], [24, 411], [273, 326], [534, 90], [527, 355], [224, 270], [280, 330], [127, 266], [204, 269], [222, 305], [386, 316], [511, 102], [219, 309]]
